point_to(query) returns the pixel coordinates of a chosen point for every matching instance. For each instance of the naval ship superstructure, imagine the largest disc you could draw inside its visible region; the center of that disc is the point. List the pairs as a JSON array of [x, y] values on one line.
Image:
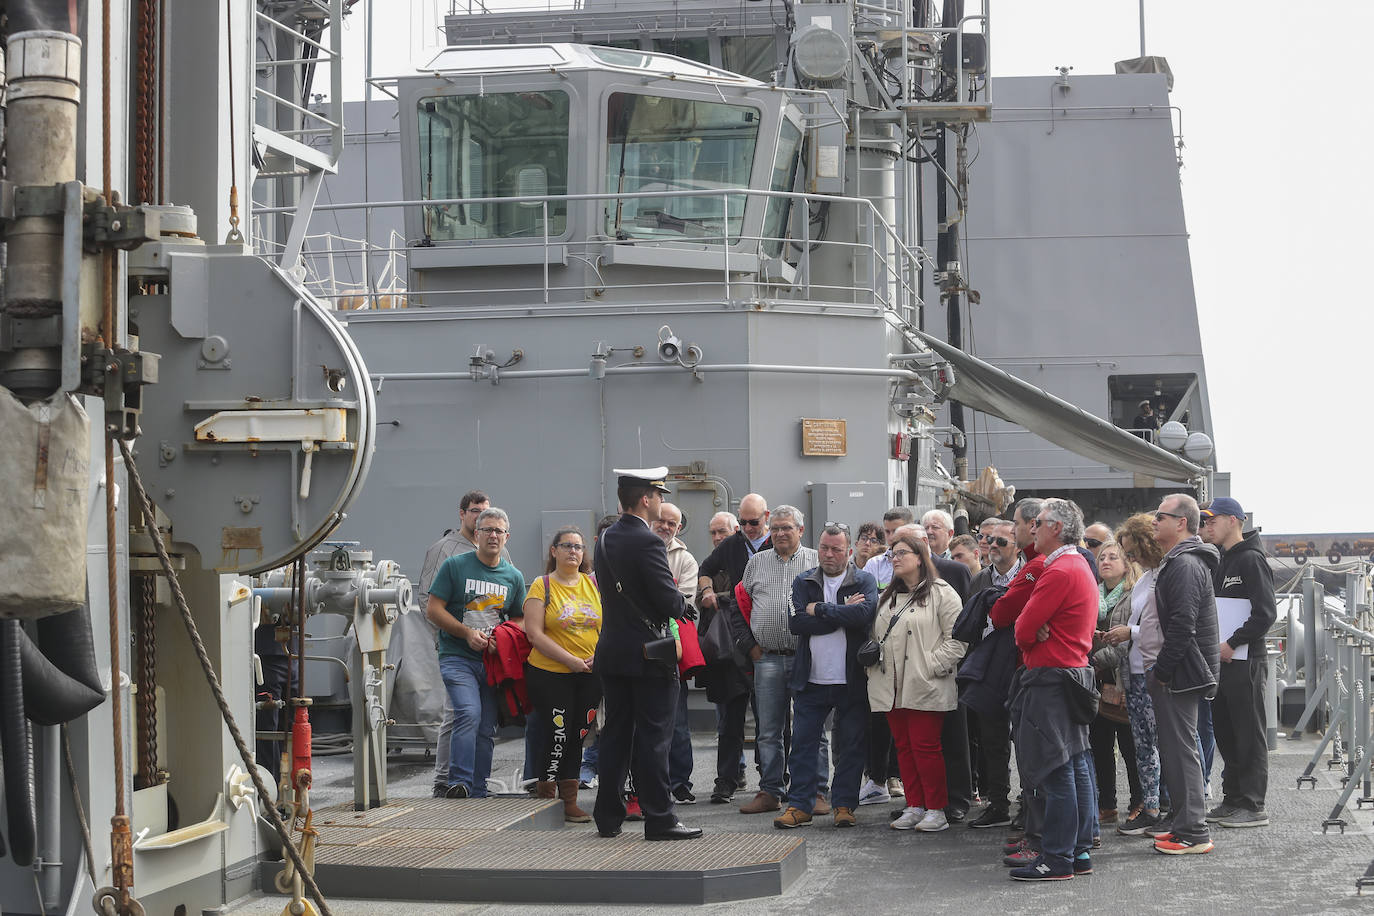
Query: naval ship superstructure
[[726, 239]]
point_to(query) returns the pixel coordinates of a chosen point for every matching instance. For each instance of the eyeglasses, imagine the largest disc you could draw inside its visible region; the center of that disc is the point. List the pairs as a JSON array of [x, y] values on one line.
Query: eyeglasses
[[569, 545], [840, 525], [493, 530], [782, 529], [1161, 515], [894, 554], [1092, 542], [1000, 542], [869, 539], [751, 522], [474, 510]]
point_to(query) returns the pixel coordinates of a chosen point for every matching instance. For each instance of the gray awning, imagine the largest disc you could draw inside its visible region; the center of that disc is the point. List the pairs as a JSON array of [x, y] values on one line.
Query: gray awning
[[984, 387]]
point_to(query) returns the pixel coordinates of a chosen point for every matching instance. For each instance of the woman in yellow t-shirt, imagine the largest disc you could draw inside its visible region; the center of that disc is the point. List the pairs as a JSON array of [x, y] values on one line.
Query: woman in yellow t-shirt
[[563, 622]]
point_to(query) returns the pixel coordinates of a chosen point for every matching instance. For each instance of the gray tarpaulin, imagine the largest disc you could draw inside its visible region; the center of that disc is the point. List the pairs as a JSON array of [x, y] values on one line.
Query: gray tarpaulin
[[984, 387]]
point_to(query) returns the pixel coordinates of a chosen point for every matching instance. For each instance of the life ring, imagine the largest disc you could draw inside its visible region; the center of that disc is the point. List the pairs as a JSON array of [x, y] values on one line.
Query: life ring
[[1334, 557], [1300, 559]]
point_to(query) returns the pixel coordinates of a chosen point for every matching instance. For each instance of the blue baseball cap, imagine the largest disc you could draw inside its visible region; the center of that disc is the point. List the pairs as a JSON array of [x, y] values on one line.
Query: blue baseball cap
[[1223, 505]]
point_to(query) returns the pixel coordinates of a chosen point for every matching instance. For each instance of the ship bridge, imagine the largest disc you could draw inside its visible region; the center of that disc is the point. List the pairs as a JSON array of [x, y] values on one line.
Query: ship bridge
[[611, 175]]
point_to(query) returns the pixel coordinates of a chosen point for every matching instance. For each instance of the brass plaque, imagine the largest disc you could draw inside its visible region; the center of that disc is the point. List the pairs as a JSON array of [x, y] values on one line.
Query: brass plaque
[[826, 438]]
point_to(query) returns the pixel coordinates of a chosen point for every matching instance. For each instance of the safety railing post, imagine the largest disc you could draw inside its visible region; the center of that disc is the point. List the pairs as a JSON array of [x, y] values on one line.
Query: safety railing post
[[1311, 619]]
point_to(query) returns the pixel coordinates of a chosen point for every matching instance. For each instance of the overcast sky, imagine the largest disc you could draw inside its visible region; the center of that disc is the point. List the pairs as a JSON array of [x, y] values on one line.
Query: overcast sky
[[1277, 195]]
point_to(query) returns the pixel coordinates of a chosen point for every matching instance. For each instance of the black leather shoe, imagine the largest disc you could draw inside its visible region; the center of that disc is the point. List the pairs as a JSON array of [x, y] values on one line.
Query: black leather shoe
[[956, 814], [676, 832], [608, 832]]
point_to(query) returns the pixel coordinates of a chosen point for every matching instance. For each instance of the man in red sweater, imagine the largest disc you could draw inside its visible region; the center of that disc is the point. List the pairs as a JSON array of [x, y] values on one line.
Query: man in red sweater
[[1052, 706]]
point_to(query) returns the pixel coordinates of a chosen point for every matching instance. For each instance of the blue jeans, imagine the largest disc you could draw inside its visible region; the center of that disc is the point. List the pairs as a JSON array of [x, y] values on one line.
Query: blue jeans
[[810, 708], [771, 673], [1069, 812], [680, 752], [590, 752], [474, 722]]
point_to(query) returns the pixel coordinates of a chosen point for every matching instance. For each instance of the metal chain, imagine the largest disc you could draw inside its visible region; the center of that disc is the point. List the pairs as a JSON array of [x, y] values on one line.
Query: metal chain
[[145, 667], [145, 124], [145, 508]]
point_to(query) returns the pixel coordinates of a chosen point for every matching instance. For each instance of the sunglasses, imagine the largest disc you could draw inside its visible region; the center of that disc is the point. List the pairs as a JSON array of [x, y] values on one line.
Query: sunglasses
[[1161, 515], [1092, 542], [840, 525], [1000, 542], [751, 522]]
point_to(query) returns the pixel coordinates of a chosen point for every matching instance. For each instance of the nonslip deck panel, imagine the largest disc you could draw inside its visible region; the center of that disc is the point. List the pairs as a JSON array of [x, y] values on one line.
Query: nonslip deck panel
[[517, 850]]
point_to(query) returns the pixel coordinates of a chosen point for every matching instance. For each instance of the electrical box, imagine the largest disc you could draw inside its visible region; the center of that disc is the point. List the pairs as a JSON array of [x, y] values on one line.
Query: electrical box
[[849, 503]]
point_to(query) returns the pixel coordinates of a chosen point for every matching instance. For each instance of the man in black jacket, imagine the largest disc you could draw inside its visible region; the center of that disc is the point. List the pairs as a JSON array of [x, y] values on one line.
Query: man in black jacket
[[1186, 668], [1245, 586], [727, 683], [831, 610], [638, 598]]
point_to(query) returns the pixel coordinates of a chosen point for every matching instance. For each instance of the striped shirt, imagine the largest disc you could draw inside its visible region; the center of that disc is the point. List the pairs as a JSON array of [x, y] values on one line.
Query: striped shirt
[[768, 580]]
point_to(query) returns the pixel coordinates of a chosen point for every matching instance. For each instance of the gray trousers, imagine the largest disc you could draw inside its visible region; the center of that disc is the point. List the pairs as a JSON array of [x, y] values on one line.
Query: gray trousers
[[1176, 732], [441, 750]]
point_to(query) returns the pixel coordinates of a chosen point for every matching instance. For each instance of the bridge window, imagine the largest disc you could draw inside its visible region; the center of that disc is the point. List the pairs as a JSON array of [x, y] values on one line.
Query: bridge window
[[784, 174], [658, 143], [510, 144]]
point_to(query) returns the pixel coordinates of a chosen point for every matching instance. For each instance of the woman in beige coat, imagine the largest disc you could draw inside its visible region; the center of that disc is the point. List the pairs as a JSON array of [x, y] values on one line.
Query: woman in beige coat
[[914, 681]]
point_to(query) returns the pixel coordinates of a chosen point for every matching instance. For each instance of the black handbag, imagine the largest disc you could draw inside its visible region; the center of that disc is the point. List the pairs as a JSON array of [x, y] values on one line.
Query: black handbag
[[871, 651], [717, 642]]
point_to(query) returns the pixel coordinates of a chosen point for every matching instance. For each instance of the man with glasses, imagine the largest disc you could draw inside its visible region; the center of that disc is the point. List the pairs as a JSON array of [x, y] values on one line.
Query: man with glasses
[[684, 568], [1052, 703], [870, 541], [992, 724], [727, 683], [638, 599], [1186, 669], [773, 647], [471, 594], [831, 611], [1244, 581], [462, 539], [984, 534], [1094, 536]]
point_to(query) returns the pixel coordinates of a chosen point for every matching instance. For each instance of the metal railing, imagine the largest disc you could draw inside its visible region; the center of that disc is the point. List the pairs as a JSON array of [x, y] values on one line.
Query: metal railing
[[343, 271], [1333, 643], [802, 264], [315, 136]]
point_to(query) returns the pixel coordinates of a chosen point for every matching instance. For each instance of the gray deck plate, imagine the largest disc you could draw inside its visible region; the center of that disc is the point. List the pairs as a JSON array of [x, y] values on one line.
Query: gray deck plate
[[501, 850]]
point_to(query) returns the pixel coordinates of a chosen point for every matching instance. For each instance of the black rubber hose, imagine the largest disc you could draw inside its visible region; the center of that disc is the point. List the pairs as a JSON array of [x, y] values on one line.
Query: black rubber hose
[[61, 680], [16, 749]]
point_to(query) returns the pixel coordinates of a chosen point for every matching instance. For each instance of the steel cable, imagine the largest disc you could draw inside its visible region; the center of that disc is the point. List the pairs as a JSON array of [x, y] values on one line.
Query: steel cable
[[179, 598]]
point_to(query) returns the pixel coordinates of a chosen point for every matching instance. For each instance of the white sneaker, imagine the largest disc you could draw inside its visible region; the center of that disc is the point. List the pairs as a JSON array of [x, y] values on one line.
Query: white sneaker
[[873, 794], [909, 819], [933, 821]]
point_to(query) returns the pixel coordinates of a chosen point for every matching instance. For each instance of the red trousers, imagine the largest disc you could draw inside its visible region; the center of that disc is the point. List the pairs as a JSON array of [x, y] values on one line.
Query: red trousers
[[920, 759]]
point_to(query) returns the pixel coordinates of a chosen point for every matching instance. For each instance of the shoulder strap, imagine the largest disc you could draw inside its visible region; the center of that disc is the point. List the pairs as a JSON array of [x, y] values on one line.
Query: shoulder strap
[[546, 591], [659, 632], [893, 622]]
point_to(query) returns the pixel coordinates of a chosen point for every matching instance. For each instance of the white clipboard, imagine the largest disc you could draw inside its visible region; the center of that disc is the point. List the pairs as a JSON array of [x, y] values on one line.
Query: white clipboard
[[1231, 615]]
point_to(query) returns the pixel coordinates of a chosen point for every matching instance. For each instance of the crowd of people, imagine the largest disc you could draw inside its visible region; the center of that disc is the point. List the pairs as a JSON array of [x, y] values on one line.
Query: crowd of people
[[896, 660]]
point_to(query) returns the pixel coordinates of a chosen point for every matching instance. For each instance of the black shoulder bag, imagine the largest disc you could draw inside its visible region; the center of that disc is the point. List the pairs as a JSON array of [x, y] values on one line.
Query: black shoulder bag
[[871, 652]]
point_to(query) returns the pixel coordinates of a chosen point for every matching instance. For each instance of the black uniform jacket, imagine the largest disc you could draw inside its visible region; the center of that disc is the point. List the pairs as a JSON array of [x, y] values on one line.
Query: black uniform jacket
[[635, 583]]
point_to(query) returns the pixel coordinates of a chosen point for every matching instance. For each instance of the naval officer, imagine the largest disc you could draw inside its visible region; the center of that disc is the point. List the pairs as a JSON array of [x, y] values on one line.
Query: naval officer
[[637, 660]]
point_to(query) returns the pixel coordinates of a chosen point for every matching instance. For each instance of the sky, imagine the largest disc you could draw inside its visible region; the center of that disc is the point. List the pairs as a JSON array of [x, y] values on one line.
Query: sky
[[1277, 196]]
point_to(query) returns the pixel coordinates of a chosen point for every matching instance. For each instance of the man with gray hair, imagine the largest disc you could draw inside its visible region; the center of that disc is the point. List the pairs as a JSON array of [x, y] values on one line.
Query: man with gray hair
[[939, 526], [1186, 669], [471, 594], [1052, 701], [721, 526], [771, 644]]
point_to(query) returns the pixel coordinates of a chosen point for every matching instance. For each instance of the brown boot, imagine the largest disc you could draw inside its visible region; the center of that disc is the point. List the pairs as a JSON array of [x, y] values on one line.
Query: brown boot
[[567, 790], [844, 817], [762, 802], [544, 789], [822, 807]]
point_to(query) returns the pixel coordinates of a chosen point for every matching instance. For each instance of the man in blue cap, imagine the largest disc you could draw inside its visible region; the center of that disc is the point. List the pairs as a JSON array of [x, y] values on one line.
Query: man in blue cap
[[636, 658], [1246, 610]]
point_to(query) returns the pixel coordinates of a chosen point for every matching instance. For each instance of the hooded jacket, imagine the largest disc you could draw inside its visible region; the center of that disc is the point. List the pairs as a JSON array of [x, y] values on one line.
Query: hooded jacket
[[1244, 573], [1191, 655]]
